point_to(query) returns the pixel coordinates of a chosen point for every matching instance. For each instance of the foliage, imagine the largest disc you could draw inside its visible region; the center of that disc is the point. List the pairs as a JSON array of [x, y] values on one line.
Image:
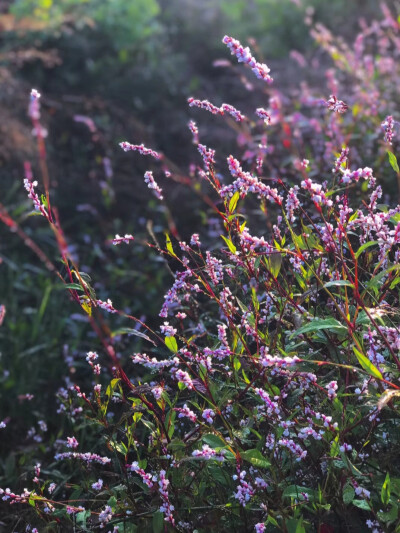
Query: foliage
[[266, 394], [270, 396]]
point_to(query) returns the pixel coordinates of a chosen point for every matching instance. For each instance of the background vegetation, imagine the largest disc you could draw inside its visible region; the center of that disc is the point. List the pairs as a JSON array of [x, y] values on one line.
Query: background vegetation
[[112, 70]]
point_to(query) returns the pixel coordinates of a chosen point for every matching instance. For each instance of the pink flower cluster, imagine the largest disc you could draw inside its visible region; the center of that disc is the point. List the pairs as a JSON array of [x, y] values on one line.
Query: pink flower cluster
[[154, 364], [146, 478], [246, 183], [185, 412], [151, 184], [265, 115], [107, 306], [244, 56], [126, 147], [245, 490], [388, 128], [208, 453], [166, 506], [126, 239], [30, 188], [338, 106], [316, 192], [86, 457]]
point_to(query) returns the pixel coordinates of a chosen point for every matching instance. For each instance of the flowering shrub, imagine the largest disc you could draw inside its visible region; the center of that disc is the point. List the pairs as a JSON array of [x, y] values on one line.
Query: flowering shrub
[[267, 397]]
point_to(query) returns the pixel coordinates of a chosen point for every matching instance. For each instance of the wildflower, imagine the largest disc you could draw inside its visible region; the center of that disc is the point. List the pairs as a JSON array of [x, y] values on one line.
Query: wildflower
[[146, 478], [205, 104], [237, 115], [208, 453], [154, 364], [332, 388], [107, 306], [85, 457], [185, 412], [126, 147], [157, 392], [195, 240], [105, 516], [338, 106], [360, 491], [126, 239], [34, 106], [244, 56], [388, 128], [151, 183], [30, 188], [167, 330], [265, 115], [208, 415], [183, 377], [244, 490], [166, 506], [98, 485], [72, 442], [260, 527], [207, 154], [195, 131]]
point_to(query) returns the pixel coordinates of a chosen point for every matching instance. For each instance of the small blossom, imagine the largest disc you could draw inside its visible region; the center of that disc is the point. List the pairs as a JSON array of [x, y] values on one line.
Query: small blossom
[[167, 330], [98, 485], [151, 183], [244, 56], [107, 306], [195, 240], [208, 415], [72, 442], [338, 106], [126, 147], [388, 128], [265, 115], [126, 239]]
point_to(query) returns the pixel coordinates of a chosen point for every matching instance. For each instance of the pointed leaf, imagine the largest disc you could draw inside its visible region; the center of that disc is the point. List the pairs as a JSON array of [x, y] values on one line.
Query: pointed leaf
[[328, 323], [364, 247], [393, 161], [256, 458], [367, 365], [171, 344]]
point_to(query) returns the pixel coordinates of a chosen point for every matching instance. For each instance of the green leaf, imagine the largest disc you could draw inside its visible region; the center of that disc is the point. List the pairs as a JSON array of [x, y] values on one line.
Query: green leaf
[[385, 491], [294, 491], [171, 344], [158, 522], [364, 247], [393, 161], [314, 325], [367, 365], [276, 263], [168, 244], [229, 244], [390, 516], [74, 286], [334, 447], [233, 202], [362, 504], [295, 525], [339, 283], [130, 331], [256, 458], [348, 494], [213, 440]]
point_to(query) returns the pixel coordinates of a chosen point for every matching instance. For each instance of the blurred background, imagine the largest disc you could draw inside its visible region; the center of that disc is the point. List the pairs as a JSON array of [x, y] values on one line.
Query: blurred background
[[108, 71]]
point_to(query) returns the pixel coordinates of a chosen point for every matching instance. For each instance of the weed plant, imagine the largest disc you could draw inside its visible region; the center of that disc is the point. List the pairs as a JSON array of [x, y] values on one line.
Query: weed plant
[[267, 397]]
